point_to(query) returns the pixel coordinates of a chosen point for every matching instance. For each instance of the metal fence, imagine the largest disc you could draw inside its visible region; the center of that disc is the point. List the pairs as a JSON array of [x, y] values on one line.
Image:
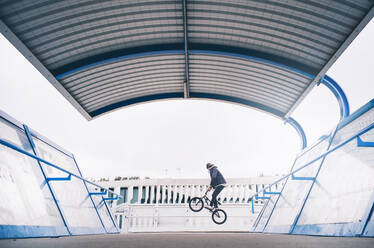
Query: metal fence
[[330, 189], [43, 192]]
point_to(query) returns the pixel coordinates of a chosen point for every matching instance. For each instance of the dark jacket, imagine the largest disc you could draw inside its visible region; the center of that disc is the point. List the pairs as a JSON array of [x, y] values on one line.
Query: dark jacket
[[216, 177]]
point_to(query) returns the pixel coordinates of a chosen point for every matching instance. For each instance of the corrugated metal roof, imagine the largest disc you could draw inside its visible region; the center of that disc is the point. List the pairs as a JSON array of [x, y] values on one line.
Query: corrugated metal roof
[[102, 55]]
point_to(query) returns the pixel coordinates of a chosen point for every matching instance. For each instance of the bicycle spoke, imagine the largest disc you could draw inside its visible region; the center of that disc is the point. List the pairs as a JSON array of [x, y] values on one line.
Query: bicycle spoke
[[219, 216]]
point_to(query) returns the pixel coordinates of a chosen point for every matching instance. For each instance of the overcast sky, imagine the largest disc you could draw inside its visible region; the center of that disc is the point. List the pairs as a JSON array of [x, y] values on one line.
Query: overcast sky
[[176, 138]]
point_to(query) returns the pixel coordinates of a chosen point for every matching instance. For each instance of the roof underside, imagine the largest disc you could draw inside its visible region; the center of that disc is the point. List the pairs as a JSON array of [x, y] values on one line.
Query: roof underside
[[102, 55]]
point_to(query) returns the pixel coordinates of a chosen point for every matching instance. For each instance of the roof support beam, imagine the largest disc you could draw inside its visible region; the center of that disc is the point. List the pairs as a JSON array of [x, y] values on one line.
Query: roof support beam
[[339, 94], [17, 43], [299, 130], [186, 83], [333, 58], [258, 57]]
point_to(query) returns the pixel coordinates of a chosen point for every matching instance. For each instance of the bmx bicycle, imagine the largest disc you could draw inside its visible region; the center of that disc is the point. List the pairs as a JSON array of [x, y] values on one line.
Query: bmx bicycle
[[196, 204]]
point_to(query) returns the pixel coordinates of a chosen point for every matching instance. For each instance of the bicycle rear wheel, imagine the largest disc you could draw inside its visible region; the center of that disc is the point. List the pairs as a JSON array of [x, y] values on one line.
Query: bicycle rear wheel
[[219, 216], [196, 204]]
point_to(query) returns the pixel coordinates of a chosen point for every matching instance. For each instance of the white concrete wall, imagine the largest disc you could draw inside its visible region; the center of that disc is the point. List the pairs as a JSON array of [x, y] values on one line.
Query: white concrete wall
[[295, 192], [238, 190], [30, 204], [340, 201], [173, 214], [72, 196], [176, 218], [25, 199]]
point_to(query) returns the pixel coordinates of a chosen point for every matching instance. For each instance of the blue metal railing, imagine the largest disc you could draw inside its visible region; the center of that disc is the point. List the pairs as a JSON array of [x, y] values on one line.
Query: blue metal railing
[[355, 136], [256, 196], [69, 174]]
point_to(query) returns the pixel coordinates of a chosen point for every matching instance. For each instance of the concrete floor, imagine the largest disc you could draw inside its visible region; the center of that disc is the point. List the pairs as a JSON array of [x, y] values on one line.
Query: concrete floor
[[191, 240]]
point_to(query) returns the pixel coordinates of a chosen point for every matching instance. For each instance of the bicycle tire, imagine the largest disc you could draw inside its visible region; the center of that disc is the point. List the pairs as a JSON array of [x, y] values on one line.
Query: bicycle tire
[[219, 216], [196, 204]]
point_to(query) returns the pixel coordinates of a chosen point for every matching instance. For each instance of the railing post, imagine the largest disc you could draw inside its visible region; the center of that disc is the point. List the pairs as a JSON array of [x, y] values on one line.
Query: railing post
[[271, 193], [110, 198], [313, 181], [293, 177], [262, 197], [253, 207], [68, 178], [111, 216], [361, 143], [370, 212], [33, 147], [89, 195]]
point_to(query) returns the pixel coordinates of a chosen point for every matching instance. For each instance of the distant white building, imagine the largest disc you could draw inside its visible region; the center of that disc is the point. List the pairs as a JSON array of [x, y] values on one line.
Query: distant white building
[[178, 191], [162, 204]]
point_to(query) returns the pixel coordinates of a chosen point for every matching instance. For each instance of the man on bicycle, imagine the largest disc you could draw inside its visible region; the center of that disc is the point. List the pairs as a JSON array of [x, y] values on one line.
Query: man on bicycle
[[217, 182]]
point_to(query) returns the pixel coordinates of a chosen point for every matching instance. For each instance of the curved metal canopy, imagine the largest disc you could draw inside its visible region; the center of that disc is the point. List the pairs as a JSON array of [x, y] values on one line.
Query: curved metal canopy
[[102, 55]]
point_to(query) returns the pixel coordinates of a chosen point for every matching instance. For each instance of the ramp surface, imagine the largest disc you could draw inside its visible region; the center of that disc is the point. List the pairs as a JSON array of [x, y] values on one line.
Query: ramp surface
[[191, 240]]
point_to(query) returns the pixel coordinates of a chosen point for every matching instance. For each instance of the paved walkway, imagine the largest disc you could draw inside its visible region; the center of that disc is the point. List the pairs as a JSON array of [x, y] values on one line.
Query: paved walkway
[[191, 240]]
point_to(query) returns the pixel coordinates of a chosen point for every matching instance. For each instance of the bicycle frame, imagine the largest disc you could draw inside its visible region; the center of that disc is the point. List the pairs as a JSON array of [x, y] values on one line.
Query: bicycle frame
[[216, 212], [207, 200]]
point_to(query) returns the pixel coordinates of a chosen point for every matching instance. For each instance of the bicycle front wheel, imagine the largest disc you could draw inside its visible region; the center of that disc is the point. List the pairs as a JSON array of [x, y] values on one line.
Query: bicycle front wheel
[[196, 204], [219, 216]]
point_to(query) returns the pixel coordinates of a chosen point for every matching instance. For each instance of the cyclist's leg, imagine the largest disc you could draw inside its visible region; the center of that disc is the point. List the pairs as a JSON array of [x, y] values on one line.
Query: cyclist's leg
[[214, 196]]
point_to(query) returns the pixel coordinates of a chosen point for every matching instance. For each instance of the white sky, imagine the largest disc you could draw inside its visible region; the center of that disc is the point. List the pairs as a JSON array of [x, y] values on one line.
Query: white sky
[[176, 138]]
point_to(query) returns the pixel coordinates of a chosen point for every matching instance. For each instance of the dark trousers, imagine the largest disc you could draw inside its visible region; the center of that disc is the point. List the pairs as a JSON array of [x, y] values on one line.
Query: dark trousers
[[217, 190]]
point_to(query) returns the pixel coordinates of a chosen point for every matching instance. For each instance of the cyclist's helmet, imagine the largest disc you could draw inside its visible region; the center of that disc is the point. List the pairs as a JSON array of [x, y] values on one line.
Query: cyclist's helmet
[[209, 165]]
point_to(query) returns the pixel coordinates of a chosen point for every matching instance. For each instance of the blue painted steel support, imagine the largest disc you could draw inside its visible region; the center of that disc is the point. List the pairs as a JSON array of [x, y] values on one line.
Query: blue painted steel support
[[253, 206], [98, 193], [259, 216], [299, 130], [89, 194], [364, 130], [271, 193], [5, 143], [367, 216], [262, 197], [110, 198], [313, 183], [293, 177], [256, 57], [253, 57], [361, 143], [340, 125], [264, 207], [29, 137], [276, 202], [68, 178], [116, 59], [339, 94], [110, 214], [186, 55]]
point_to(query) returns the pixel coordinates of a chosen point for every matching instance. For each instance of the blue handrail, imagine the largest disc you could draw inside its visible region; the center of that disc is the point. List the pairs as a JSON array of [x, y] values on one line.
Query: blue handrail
[[368, 128], [5, 143], [16, 148]]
